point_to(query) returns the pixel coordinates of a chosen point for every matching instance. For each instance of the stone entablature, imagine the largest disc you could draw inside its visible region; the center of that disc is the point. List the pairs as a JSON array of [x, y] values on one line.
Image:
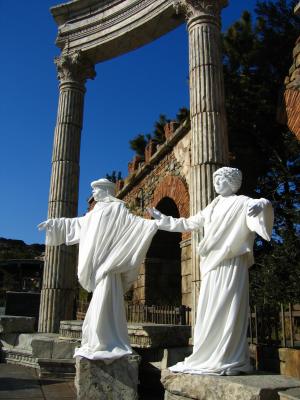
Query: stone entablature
[[106, 29]]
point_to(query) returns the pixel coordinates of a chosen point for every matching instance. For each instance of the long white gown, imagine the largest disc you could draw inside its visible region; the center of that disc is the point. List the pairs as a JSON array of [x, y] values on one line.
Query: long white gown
[[226, 252], [112, 245]]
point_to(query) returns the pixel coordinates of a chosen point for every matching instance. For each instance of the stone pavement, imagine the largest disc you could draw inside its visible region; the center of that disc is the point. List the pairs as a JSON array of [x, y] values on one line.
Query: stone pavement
[[21, 383]]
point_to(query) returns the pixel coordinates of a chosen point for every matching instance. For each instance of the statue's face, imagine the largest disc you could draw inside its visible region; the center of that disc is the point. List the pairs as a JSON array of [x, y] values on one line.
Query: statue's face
[[222, 186], [98, 193]]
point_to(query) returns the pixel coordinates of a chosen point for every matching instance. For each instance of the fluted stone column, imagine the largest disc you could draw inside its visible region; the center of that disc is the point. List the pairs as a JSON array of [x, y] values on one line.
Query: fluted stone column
[[59, 281], [209, 144]]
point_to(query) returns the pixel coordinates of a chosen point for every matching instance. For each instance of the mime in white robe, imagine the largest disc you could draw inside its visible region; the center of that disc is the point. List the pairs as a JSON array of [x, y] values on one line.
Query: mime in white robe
[[226, 253], [112, 244]]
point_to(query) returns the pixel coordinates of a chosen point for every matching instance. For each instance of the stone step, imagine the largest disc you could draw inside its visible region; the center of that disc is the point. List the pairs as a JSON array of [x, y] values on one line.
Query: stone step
[[290, 394], [47, 352], [256, 386]]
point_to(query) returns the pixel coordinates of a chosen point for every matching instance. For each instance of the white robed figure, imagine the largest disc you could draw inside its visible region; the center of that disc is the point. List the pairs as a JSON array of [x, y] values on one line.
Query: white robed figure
[[112, 244], [226, 252]]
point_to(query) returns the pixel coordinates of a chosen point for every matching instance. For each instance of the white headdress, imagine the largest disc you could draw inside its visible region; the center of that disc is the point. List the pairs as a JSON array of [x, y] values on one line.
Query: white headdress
[[107, 190], [233, 176]]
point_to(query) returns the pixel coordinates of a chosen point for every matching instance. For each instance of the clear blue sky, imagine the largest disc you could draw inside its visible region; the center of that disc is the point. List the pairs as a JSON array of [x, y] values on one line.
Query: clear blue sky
[[124, 100]]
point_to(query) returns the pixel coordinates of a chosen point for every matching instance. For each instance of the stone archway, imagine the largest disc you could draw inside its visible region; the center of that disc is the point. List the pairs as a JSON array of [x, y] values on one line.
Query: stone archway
[[92, 31], [163, 263]]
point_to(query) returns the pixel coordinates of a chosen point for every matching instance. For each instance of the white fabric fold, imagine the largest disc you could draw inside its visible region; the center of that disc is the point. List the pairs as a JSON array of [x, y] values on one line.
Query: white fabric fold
[[112, 245], [226, 252]]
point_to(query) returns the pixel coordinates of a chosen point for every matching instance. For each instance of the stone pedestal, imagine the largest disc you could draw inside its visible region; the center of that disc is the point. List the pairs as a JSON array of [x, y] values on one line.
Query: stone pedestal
[[257, 386], [118, 380]]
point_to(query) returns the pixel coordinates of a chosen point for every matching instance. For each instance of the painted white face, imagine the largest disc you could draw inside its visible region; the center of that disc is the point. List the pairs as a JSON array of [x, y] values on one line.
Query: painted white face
[[222, 186], [99, 193]]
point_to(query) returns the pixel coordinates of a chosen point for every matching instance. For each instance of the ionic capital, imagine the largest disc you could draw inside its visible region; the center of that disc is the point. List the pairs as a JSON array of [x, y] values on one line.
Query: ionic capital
[[74, 68], [200, 8]]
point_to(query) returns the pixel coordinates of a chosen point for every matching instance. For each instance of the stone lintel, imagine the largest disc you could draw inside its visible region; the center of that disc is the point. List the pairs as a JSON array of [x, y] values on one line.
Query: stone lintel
[[256, 386], [106, 29]]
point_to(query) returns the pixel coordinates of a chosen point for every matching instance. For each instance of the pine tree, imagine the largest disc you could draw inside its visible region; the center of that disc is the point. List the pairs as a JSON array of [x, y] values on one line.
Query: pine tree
[[257, 56]]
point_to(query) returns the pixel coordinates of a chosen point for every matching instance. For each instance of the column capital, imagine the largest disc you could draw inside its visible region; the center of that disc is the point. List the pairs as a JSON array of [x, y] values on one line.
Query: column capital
[[200, 8], [74, 67]]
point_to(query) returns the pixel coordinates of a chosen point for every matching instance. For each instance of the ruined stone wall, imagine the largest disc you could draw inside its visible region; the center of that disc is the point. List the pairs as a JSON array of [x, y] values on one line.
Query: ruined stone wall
[[164, 173]]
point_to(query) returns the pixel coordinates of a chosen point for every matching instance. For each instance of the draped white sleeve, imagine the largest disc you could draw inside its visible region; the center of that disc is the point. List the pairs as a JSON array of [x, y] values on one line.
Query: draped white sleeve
[[262, 224], [170, 224], [63, 231]]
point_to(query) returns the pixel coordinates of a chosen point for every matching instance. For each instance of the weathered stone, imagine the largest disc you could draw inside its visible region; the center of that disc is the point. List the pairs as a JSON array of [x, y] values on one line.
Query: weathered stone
[[296, 50], [70, 329], [158, 336], [96, 380], [186, 267], [290, 394], [297, 60], [8, 340], [15, 324], [187, 299], [186, 284], [56, 368], [207, 387], [42, 347], [292, 69], [173, 355], [290, 362], [64, 349]]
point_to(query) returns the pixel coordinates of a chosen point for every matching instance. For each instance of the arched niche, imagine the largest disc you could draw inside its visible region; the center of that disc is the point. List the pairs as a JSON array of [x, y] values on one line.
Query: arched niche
[[163, 262]]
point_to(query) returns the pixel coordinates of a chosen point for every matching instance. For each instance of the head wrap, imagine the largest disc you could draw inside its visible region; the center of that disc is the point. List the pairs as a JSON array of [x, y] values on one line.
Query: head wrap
[[232, 175], [107, 190]]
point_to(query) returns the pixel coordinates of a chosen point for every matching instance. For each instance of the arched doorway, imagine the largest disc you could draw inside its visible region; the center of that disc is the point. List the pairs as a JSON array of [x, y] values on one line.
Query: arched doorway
[[163, 263]]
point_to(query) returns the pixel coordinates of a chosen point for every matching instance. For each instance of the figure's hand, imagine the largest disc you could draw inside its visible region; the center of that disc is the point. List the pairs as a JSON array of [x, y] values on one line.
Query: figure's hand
[[255, 207], [43, 225], [154, 213]]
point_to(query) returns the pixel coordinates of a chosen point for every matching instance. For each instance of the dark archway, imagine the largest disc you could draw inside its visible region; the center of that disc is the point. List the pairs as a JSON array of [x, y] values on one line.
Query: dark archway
[[163, 263]]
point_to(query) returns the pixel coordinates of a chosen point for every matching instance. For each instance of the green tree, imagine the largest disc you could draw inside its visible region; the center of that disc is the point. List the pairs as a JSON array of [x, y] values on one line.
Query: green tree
[[114, 176], [257, 56], [182, 114], [159, 131], [139, 143]]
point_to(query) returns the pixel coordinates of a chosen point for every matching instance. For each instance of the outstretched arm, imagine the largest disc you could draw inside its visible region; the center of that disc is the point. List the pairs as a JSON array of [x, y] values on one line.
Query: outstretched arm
[[260, 217], [170, 224], [61, 230]]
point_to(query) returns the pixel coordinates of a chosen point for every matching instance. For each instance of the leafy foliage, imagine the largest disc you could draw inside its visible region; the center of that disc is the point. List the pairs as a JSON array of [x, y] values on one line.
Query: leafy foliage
[[114, 176], [139, 143]]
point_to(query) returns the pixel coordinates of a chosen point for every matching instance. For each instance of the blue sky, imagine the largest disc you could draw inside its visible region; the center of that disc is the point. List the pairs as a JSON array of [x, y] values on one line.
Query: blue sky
[[124, 100]]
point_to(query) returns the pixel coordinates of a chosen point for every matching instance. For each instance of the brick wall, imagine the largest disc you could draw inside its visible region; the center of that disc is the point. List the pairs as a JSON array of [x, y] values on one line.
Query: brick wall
[[149, 182]]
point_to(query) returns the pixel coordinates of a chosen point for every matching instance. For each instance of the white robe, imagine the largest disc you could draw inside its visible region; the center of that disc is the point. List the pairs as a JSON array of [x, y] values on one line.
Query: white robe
[[112, 245], [226, 252]]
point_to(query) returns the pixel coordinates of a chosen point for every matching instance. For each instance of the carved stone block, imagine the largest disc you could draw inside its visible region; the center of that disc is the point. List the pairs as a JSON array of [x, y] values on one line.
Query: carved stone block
[[96, 380]]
